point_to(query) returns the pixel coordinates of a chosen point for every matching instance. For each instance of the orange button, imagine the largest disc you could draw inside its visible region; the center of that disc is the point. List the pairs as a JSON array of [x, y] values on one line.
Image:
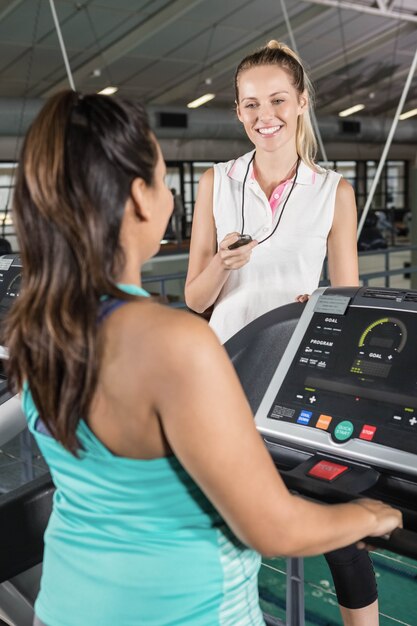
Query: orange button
[[323, 422], [367, 432], [327, 470]]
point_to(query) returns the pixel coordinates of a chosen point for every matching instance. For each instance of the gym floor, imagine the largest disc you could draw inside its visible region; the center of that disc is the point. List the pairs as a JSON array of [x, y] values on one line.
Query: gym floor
[[396, 576]]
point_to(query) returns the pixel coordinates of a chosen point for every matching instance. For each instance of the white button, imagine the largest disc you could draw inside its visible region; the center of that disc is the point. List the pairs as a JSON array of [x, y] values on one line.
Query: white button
[[265, 230], [276, 196]]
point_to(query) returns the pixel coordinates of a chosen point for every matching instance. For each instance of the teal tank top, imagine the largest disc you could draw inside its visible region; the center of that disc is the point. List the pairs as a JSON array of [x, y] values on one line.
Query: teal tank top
[[136, 543]]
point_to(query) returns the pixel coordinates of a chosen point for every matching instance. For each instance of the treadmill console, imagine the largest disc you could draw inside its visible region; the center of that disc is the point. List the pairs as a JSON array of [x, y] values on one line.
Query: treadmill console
[[347, 383], [12, 420], [10, 279]]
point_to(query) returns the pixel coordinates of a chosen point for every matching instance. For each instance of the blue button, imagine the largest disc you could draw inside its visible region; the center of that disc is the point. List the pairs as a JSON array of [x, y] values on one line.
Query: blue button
[[304, 417]]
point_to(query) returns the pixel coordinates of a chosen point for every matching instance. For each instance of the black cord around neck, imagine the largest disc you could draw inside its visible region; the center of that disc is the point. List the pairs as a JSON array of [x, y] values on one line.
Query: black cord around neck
[[243, 192], [285, 203]]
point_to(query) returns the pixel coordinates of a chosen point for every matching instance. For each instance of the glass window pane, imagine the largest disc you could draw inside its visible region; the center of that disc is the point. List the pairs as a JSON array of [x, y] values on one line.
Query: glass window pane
[[172, 178], [399, 200], [396, 169]]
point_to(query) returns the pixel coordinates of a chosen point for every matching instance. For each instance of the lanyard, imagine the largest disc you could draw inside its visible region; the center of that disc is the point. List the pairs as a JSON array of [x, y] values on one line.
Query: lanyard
[[283, 208]]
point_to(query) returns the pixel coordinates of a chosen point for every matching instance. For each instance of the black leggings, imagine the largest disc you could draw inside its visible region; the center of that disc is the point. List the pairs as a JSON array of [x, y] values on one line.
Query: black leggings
[[353, 576]]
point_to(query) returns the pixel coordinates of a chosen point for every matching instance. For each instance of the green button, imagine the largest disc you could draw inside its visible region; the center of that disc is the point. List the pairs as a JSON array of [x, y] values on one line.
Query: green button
[[343, 430]]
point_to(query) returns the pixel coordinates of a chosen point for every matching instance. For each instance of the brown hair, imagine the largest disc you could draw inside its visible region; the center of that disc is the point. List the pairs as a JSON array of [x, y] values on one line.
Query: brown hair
[[77, 165], [276, 53]]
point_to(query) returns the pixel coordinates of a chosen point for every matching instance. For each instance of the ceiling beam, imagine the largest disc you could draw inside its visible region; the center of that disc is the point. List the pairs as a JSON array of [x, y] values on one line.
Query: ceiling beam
[[382, 5], [352, 6], [358, 50], [361, 95], [159, 20], [12, 6], [188, 86]]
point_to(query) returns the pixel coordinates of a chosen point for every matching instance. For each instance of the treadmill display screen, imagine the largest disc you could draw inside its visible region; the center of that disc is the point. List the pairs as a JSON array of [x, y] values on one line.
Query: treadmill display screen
[[355, 376], [10, 283]]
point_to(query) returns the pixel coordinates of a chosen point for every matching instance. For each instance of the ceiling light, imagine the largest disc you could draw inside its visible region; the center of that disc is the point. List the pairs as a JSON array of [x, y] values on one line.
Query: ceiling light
[[108, 91], [201, 100], [351, 110], [407, 114]]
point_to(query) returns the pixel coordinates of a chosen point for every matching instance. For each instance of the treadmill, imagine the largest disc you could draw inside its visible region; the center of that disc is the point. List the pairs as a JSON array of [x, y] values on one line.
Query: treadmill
[[333, 386], [12, 420], [360, 369], [24, 512]]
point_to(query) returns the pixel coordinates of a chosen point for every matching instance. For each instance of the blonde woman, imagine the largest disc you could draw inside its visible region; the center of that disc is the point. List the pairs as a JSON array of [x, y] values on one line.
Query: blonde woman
[[292, 213]]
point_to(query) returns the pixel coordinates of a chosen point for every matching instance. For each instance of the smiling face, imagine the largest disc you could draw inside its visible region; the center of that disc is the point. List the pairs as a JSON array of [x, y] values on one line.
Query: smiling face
[[269, 107]]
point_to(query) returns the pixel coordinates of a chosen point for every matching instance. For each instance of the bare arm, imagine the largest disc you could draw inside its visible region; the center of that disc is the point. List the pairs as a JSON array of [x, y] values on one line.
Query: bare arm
[[209, 268], [341, 243], [209, 426]]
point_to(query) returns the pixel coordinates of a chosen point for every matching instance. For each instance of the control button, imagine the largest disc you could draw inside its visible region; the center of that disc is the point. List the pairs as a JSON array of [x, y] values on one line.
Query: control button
[[343, 430], [397, 419], [323, 422], [327, 470], [304, 417], [412, 421], [367, 432], [312, 399]]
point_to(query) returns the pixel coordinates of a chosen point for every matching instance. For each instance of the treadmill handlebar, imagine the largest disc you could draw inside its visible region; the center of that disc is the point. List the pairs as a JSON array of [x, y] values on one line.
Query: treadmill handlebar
[[351, 484], [400, 541]]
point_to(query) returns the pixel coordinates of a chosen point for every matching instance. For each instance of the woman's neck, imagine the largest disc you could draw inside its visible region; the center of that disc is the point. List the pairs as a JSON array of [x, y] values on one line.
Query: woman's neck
[[130, 275], [272, 169]]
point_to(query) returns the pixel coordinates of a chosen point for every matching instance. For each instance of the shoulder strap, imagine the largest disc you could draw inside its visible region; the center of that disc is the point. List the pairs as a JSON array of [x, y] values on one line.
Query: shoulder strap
[[108, 307]]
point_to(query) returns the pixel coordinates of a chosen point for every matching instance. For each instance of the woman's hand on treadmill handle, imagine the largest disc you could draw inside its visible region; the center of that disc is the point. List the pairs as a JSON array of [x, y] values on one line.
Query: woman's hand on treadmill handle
[[387, 518]]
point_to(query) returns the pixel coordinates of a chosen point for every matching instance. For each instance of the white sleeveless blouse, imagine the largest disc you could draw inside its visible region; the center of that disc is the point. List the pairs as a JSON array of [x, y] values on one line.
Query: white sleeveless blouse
[[286, 265]]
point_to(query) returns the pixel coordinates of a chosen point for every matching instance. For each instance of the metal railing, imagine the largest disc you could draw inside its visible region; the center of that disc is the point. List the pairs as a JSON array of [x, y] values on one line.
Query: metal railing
[[162, 279], [386, 273], [364, 277]]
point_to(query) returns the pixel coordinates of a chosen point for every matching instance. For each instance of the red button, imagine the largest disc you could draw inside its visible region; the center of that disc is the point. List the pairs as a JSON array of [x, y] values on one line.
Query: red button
[[367, 432], [326, 470]]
